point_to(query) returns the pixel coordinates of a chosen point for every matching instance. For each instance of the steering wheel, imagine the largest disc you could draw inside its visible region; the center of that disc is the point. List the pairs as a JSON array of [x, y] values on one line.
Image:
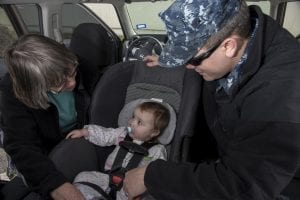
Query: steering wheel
[[143, 46]]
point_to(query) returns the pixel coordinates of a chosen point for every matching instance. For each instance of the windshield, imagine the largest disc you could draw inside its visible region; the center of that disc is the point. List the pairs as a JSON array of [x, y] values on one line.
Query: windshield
[[144, 16]]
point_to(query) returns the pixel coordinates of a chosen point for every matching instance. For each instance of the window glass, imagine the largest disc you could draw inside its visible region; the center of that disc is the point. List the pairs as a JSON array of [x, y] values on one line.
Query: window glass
[[291, 18], [147, 21], [7, 37], [7, 32], [30, 16], [108, 14], [264, 5], [73, 15]]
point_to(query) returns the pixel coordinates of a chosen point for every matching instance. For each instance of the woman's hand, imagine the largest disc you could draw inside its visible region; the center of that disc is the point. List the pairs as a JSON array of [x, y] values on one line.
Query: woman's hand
[[67, 191], [152, 61], [78, 133]]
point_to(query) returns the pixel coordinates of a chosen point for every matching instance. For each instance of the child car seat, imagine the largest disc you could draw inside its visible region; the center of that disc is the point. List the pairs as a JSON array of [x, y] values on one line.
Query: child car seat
[[128, 81], [109, 186]]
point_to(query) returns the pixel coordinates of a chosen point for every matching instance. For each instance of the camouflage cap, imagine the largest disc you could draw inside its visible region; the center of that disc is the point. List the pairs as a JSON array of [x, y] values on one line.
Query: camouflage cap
[[189, 24]]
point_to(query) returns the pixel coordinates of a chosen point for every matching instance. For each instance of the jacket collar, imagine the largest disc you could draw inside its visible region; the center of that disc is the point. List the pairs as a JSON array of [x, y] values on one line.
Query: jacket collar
[[254, 60]]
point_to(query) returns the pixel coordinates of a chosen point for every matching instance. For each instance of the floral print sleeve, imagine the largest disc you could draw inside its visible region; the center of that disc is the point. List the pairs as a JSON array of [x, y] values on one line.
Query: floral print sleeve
[[102, 136]]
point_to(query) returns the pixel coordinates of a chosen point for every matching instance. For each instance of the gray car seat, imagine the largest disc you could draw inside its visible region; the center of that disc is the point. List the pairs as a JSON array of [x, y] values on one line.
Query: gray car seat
[[125, 82]]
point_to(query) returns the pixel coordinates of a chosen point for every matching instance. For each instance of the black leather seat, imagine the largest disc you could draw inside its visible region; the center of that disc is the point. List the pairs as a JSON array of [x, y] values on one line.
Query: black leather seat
[[96, 48]]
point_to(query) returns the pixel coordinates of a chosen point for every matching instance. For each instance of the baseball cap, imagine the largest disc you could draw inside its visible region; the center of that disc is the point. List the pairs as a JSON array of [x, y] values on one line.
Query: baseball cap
[[189, 24]]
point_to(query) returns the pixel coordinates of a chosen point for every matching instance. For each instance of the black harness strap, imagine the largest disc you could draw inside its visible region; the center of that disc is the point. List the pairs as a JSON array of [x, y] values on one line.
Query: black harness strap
[[138, 151], [117, 171], [117, 164]]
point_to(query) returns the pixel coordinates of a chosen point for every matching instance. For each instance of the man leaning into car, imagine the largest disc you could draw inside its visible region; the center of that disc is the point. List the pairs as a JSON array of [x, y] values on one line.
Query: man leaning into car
[[251, 91]]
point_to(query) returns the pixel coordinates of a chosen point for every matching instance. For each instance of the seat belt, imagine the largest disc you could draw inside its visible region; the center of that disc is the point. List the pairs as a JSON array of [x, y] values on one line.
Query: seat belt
[[117, 172]]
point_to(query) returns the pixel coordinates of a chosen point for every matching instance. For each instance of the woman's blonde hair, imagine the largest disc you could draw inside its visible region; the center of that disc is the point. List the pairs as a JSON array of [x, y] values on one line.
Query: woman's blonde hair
[[36, 63]]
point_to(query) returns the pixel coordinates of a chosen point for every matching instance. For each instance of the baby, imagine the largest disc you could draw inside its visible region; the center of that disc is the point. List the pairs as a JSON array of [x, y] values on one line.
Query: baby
[[148, 121]]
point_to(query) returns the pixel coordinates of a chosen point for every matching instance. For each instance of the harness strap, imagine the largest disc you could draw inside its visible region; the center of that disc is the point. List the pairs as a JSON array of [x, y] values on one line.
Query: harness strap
[[97, 188], [117, 164], [134, 161], [117, 172]]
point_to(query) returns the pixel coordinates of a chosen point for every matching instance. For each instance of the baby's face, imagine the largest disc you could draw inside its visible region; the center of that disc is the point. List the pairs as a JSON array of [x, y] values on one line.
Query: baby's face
[[142, 125]]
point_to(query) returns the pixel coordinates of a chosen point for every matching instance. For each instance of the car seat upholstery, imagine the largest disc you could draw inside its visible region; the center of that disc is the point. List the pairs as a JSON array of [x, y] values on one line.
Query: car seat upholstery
[[298, 37], [96, 49], [128, 81]]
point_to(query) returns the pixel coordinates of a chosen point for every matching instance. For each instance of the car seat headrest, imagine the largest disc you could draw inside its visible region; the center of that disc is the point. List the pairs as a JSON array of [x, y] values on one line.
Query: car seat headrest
[[150, 90], [92, 42], [168, 133]]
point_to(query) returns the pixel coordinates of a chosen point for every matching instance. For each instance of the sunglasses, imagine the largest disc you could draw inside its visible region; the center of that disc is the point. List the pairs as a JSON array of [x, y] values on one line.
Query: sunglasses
[[198, 59]]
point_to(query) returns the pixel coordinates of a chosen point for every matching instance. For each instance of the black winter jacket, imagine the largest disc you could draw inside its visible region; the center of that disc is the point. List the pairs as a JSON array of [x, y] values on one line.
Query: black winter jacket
[[30, 134], [257, 129]]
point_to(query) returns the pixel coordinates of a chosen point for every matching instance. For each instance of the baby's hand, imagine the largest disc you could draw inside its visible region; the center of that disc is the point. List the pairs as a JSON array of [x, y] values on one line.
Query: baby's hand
[[78, 133]]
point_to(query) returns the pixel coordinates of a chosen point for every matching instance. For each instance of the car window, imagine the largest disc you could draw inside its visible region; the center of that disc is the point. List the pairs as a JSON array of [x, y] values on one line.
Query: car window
[[107, 13], [147, 21], [7, 37], [72, 16], [7, 33], [75, 14], [30, 15], [265, 6], [292, 16]]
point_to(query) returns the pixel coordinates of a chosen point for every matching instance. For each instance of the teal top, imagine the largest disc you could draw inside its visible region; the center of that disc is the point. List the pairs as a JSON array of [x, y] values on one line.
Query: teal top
[[65, 104]]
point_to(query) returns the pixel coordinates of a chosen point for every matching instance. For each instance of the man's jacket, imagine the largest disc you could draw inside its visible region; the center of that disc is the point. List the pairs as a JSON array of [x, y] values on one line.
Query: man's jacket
[[257, 128]]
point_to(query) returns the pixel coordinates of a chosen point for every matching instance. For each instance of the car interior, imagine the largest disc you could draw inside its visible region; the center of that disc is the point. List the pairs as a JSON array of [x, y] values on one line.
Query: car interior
[[115, 48]]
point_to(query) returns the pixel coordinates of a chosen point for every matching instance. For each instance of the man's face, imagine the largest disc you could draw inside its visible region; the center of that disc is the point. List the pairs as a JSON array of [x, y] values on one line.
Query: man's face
[[215, 64]]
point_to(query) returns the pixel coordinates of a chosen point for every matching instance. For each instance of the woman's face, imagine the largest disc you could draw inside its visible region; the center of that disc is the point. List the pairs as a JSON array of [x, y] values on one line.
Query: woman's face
[[68, 84]]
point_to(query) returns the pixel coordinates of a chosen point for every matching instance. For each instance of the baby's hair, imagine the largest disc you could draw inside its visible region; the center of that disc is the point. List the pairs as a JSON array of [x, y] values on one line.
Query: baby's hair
[[161, 114]]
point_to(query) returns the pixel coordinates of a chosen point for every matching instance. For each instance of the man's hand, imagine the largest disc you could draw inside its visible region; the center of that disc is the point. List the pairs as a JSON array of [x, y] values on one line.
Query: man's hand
[[134, 183], [152, 61], [66, 191]]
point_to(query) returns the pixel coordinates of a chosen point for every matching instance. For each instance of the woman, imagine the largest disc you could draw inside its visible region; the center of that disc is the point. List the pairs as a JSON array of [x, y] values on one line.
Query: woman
[[40, 103]]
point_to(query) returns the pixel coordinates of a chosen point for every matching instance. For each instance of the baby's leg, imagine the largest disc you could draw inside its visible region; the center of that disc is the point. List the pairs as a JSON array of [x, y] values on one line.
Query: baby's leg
[[97, 178]]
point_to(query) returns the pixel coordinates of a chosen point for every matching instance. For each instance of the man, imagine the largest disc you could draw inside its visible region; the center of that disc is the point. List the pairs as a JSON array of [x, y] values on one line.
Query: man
[[251, 92]]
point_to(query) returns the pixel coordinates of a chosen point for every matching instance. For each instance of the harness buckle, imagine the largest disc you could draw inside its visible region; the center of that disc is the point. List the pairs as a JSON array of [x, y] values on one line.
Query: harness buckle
[[116, 180]]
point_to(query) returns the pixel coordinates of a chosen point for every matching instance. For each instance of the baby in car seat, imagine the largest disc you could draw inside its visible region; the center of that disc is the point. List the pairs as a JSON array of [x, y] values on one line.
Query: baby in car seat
[[136, 145]]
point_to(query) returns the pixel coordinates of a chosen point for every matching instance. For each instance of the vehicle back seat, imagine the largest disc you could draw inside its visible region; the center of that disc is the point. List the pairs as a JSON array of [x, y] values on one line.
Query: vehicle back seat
[[96, 49]]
